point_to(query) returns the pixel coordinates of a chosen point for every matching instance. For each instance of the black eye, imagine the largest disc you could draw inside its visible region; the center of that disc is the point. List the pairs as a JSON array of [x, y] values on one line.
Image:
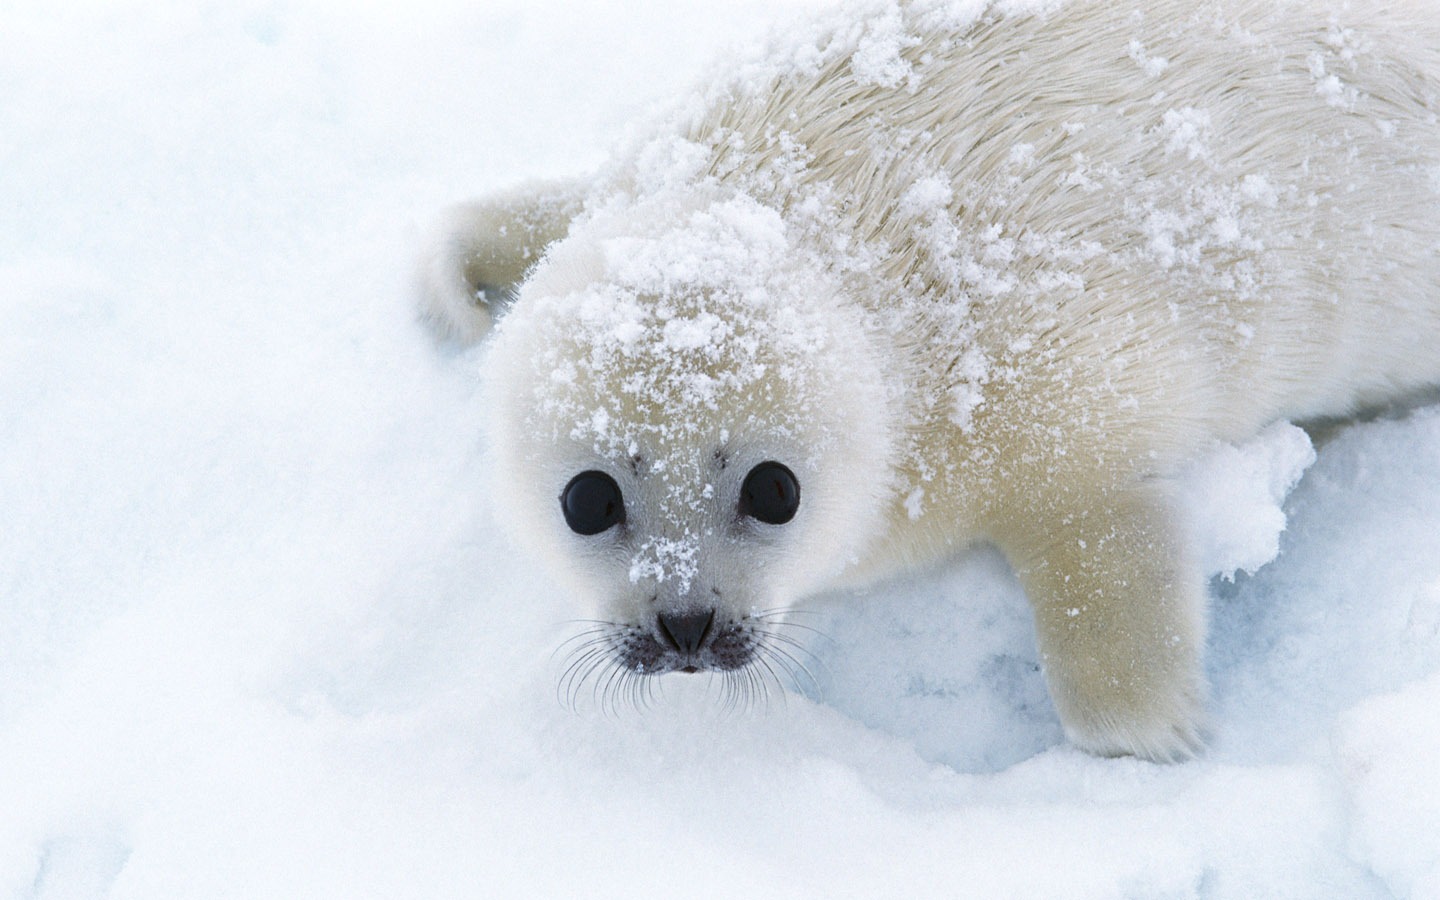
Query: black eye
[[592, 503], [770, 493]]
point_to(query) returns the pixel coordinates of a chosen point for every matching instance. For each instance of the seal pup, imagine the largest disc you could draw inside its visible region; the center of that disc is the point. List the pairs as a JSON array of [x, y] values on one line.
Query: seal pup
[[932, 273]]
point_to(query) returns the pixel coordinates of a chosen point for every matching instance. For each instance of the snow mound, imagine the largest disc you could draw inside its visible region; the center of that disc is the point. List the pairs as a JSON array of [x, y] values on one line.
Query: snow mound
[[1233, 496], [1387, 747]]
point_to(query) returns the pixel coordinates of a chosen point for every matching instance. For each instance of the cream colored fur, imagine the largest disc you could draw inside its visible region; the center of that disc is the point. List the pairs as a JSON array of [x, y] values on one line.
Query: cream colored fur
[[1051, 251]]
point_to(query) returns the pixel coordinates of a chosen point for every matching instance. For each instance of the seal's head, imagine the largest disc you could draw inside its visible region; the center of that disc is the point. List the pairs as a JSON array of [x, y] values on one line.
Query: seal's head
[[689, 425]]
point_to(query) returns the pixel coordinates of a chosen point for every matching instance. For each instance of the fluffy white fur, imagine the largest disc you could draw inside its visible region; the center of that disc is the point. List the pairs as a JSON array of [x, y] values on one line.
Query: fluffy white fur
[[971, 272]]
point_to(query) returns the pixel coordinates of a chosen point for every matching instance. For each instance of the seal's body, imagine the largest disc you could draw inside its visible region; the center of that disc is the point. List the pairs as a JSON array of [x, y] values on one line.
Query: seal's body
[[938, 275]]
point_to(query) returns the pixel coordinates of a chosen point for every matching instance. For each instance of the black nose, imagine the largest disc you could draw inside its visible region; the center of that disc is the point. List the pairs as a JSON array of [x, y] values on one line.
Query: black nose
[[686, 632]]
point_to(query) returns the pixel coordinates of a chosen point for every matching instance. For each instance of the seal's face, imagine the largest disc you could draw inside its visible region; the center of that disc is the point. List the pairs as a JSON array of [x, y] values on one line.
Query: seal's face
[[687, 527], [690, 595], [691, 451], [685, 634]]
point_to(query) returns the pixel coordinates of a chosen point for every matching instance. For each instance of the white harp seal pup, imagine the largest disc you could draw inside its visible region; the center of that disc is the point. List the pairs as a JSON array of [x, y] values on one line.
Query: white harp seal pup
[[934, 273]]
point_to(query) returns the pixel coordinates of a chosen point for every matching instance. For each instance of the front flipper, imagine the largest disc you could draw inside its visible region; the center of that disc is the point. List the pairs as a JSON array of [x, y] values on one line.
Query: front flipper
[[1120, 621], [483, 250]]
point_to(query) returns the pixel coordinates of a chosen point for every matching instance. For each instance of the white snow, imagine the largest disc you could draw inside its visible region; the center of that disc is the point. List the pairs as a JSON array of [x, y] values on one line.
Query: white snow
[[261, 634], [1233, 497]]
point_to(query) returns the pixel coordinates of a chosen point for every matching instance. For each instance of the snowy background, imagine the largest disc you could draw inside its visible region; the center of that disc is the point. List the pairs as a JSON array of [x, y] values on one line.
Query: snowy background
[[261, 633]]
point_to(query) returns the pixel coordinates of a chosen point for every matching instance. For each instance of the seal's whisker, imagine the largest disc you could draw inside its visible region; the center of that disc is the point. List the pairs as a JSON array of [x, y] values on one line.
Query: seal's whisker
[[754, 688], [779, 618], [596, 643], [589, 634], [625, 692], [775, 611], [604, 695], [611, 658], [639, 692], [620, 697], [767, 656], [762, 687], [774, 638], [738, 678], [799, 626], [784, 638], [762, 661], [584, 663], [593, 674], [574, 673], [743, 688], [730, 692], [793, 667]]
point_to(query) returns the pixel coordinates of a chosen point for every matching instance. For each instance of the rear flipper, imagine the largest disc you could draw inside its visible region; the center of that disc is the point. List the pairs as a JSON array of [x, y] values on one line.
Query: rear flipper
[[482, 251]]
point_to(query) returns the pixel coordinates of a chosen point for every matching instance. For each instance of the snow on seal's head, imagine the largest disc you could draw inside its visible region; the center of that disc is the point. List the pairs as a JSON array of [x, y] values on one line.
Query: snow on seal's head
[[700, 434]]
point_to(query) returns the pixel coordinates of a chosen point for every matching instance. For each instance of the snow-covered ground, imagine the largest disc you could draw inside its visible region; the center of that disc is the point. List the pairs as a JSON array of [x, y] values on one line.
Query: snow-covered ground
[[261, 633]]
